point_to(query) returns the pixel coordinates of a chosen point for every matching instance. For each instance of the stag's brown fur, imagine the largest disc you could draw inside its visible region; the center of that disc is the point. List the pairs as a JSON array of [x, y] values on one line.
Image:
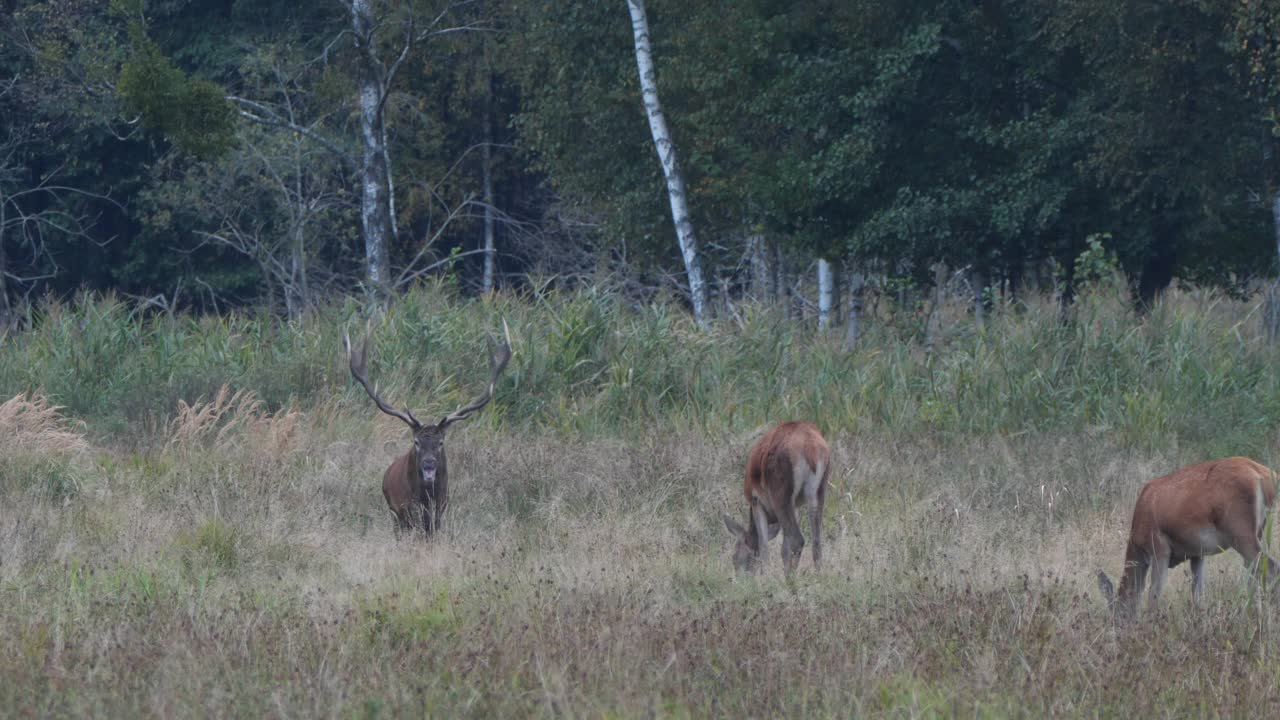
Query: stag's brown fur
[[789, 465], [1190, 514], [415, 497], [416, 486]]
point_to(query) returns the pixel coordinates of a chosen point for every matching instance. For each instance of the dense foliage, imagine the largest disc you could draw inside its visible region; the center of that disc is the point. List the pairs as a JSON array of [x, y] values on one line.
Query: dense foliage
[[206, 149]]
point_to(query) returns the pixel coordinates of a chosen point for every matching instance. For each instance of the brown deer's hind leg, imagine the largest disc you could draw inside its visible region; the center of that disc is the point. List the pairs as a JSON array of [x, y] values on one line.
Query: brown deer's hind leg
[[1159, 571], [1261, 565], [1197, 578], [1246, 539], [792, 539], [814, 498]]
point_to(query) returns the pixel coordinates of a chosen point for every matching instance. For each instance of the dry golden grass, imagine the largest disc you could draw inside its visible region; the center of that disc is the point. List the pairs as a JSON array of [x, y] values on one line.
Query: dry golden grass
[[227, 575], [29, 424], [240, 415]]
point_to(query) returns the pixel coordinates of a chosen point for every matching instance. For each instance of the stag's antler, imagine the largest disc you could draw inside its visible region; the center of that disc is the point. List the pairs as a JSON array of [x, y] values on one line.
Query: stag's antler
[[360, 371], [499, 356]]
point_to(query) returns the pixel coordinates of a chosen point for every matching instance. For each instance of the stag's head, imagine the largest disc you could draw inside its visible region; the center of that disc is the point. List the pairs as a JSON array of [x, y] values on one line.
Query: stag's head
[[428, 439]]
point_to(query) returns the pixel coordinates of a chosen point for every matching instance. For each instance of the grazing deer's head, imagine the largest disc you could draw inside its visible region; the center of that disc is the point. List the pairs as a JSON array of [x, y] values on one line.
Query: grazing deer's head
[[746, 551], [416, 484]]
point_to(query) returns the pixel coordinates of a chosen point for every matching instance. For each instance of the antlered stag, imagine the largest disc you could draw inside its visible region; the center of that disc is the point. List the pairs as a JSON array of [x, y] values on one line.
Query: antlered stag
[[416, 485], [790, 464], [1195, 512]]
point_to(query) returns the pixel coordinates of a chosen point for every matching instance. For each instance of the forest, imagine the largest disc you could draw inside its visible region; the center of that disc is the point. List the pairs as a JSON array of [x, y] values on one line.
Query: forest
[[218, 155], [1012, 260]]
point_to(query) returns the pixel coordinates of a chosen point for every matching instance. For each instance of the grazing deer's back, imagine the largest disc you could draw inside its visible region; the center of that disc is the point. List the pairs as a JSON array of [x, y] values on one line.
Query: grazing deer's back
[[774, 455], [1201, 494]]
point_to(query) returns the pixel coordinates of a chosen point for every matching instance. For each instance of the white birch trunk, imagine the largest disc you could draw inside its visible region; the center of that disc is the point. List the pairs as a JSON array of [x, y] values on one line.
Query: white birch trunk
[[777, 273], [759, 267], [978, 280], [375, 208], [666, 150], [486, 171], [826, 294]]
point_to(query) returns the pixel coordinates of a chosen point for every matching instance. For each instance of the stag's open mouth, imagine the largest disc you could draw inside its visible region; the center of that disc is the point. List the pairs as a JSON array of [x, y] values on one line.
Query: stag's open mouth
[[429, 476]]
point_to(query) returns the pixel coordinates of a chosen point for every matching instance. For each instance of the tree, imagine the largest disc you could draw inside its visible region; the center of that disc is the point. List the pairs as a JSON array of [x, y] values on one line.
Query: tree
[[1174, 142], [667, 155], [36, 208], [1256, 38]]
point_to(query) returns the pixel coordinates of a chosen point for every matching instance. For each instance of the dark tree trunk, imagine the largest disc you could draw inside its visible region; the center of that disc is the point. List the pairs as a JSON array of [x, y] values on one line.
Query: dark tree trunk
[[1271, 303], [1157, 271], [6, 312], [853, 331]]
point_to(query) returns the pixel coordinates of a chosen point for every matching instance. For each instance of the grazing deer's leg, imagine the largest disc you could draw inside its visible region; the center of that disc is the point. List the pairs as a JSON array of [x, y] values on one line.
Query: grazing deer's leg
[[813, 498], [762, 532], [1258, 561], [1245, 536], [792, 539], [1197, 579], [1159, 572]]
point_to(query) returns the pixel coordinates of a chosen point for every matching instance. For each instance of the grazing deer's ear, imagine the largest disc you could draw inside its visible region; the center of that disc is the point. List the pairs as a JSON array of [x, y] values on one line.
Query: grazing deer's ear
[[773, 530], [734, 528], [1104, 584]]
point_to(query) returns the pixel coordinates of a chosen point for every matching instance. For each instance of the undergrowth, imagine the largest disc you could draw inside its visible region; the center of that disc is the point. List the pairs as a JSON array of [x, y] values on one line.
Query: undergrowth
[[1192, 371]]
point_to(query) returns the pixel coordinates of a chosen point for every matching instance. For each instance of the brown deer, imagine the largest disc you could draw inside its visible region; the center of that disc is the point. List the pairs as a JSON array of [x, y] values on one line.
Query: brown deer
[[789, 465], [1190, 514], [416, 485]]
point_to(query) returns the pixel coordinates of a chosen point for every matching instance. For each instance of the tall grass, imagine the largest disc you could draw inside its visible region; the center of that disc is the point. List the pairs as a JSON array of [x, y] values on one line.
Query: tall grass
[[198, 531], [586, 365]]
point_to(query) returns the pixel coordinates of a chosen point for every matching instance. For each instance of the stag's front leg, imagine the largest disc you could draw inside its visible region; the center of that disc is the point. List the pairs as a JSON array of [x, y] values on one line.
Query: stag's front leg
[[428, 517], [401, 522], [440, 501]]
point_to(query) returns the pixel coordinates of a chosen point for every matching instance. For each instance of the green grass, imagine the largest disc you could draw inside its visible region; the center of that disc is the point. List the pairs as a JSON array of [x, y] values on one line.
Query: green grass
[[173, 550], [586, 365]]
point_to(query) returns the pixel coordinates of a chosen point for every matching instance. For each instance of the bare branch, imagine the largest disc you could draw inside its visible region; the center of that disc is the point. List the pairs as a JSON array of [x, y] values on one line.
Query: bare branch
[[260, 113]]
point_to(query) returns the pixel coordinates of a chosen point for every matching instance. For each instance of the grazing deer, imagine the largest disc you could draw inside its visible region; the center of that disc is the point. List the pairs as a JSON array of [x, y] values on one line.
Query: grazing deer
[[1190, 514], [790, 464], [416, 485]]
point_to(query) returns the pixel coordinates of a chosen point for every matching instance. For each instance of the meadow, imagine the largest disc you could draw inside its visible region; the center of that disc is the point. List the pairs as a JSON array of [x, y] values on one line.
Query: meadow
[[191, 521]]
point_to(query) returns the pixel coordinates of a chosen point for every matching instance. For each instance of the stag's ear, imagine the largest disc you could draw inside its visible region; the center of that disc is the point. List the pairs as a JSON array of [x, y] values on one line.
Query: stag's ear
[[734, 528]]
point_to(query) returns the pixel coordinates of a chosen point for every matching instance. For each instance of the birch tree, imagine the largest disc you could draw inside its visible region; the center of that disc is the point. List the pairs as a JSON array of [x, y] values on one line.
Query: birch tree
[[373, 82], [666, 150], [486, 170], [826, 293]]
